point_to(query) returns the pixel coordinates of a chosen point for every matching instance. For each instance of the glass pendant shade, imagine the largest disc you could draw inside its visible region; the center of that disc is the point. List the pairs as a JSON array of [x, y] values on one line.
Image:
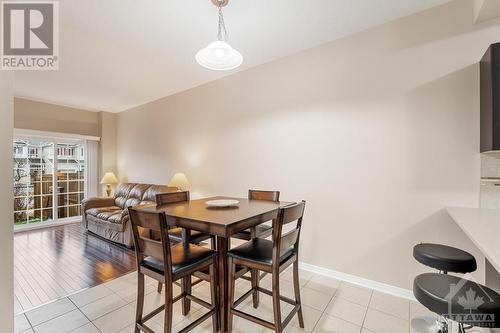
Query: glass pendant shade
[[219, 56]]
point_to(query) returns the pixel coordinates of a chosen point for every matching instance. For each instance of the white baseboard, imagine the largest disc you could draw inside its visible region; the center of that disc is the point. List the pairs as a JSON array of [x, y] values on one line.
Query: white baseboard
[[43, 225], [375, 285]]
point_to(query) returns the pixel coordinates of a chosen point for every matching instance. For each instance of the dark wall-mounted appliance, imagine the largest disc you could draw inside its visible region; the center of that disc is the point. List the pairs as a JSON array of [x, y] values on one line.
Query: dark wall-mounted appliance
[[490, 99]]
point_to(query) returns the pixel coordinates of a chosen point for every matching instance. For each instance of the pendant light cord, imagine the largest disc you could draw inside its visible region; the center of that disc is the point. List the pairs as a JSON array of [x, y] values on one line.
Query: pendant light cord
[[222, 32]]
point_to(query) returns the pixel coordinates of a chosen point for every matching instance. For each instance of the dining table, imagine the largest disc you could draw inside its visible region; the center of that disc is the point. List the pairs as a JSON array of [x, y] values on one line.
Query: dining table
[[221, 222]]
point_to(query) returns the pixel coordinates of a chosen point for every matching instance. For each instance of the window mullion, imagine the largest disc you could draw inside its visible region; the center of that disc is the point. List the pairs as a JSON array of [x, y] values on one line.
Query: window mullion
[[55, 189]]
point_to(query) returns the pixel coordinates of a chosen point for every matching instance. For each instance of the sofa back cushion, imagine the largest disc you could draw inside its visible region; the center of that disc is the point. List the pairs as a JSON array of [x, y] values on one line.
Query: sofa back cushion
[[132, 194], [121, 194], [135, 195]]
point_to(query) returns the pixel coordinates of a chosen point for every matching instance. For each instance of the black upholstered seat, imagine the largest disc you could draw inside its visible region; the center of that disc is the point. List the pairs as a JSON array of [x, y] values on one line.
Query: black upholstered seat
[[197, 237], [459, 299], [444, 258], [258, 250], [183, 257]]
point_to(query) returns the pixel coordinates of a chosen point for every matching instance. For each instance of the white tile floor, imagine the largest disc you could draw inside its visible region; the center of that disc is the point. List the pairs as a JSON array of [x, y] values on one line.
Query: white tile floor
[[329, 306]]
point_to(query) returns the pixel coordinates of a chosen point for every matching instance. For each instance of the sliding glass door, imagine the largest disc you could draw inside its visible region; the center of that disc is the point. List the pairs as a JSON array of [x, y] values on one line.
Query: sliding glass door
[[70, 179], [49, 180], [33, 181]]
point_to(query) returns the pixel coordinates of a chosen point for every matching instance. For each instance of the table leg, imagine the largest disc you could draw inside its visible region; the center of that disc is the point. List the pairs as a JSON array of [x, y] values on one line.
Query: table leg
[[186, 281], [222, 248], [255, 274], [186, 236]]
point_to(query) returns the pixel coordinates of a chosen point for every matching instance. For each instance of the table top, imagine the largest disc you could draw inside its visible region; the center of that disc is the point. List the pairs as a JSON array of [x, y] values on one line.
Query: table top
[[195, 214], [482, 226]]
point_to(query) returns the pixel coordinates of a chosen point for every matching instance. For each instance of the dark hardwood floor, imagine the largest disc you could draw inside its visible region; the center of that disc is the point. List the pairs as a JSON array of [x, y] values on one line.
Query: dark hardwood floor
[[54, 262]]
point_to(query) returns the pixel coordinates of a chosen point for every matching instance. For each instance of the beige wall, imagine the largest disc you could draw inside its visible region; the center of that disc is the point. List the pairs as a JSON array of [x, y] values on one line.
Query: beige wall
[[6, 213], [107, 146], [378, 131], [40, 116]]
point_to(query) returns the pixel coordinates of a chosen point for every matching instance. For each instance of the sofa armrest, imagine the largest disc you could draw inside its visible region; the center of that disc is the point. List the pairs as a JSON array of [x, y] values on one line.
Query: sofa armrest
[[97, 203], [125, 217]]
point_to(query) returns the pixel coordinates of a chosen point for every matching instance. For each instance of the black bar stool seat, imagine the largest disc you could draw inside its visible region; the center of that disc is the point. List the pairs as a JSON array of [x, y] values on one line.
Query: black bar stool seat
[[184, 257], [444, 258], [458, 299], [259, 251]]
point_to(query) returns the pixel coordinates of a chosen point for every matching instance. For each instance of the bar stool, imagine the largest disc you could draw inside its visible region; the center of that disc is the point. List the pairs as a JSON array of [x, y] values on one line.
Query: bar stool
[[445, 259], [260, 231], [459, 300], [167, 264], [272, 257], [175, 233]]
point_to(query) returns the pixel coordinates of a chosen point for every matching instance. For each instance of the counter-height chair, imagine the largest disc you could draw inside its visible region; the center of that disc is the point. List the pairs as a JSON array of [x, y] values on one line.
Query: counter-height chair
[[271, 256], [167, 264], [261, 231], [175, 235]]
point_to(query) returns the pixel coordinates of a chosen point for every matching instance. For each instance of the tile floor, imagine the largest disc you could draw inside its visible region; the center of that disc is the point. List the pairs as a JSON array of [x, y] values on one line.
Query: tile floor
[[329, 306]]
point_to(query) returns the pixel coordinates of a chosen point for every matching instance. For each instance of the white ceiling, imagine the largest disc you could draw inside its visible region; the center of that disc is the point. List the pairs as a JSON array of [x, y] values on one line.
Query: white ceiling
[[116, 54]]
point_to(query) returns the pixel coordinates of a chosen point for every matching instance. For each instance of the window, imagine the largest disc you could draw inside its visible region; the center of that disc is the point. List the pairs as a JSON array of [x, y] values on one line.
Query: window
[[70, 179], [49, 180]]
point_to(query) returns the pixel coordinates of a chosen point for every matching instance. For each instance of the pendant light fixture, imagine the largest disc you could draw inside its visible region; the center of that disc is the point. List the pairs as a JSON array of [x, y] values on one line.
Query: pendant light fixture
[[219, 55]]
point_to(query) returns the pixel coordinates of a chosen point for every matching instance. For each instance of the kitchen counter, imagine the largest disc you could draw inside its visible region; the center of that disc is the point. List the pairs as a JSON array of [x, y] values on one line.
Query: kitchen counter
[[482, 226]]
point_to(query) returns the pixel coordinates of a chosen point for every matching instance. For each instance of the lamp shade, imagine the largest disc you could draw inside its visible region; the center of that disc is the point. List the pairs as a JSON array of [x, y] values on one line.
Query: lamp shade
[[179, 180], [219, 56], [109, 178]]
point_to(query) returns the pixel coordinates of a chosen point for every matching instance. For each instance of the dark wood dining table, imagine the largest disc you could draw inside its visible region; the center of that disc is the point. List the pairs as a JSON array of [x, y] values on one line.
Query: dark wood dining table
[[222, 223]]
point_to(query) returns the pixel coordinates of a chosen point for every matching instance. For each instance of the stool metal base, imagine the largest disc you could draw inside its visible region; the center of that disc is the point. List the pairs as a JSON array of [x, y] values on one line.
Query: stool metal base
[[428, 324]]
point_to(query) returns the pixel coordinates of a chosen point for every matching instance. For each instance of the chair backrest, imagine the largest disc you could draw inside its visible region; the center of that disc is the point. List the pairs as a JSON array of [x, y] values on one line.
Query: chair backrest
[[283, 242], [171, 197], [264, 195], [146, 246]]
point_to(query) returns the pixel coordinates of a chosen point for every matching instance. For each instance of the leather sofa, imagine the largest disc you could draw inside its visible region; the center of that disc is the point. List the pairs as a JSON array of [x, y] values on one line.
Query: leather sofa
[[108, 217]]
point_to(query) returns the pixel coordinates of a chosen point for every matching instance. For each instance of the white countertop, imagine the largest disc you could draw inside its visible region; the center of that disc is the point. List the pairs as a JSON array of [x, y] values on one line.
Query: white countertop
[[482, 226]]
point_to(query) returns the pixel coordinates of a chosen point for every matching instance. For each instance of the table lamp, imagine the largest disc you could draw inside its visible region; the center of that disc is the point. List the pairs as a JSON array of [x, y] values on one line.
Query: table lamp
[[108, 179], [180, 181]]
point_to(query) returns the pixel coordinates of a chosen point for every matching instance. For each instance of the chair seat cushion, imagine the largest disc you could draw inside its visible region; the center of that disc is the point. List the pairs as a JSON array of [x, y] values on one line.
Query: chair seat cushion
[[460, 299], [183, 258], [262, 230], [111, 214], [444, 258], [196, 236], [258, 250]]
